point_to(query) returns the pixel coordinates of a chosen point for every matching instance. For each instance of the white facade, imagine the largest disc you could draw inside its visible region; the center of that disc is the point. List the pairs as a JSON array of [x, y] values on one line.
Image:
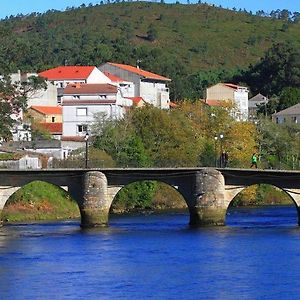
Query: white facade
[[96, 76], [151, 87], [80, 108], [238, 95], [77, 119], [241, 100], [155, 93], [46, 97], [290, 115]]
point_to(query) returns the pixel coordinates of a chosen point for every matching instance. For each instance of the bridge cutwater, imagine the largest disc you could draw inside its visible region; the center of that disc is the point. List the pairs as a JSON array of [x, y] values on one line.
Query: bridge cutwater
[[207, 191]]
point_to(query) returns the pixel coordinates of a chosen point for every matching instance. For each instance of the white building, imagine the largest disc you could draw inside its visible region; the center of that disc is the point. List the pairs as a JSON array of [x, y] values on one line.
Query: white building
[[42, 97], [81, 102], [290, 115], [61, 76], [229, 92], [254, 103], [64, 75], [150, 86]]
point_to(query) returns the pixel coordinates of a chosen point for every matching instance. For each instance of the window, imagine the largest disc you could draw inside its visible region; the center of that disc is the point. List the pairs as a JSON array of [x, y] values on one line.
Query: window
[[76, 97], [102, 96], [52, 119], [82, 128], [82, 111]]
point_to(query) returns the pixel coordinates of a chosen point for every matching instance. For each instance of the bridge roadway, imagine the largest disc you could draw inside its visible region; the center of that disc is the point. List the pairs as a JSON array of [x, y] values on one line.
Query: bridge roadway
[[207, 191]]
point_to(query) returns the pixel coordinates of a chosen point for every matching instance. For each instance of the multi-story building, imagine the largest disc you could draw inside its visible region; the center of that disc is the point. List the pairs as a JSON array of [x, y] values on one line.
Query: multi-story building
[[150, 86], [64, 75], [237, 95], [81, 102]]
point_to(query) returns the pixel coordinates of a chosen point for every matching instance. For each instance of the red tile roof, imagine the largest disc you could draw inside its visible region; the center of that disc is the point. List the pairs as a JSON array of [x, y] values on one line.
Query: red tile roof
[[215, 102], [73, 138], [172, 104], [140, 72], [48, 110], [54, 128], [68, 73], [231, 85], [112, 77], [136, 100], [86, 89]]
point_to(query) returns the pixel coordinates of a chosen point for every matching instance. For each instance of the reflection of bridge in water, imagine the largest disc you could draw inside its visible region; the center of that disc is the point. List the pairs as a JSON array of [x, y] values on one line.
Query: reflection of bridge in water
[[207, 191]]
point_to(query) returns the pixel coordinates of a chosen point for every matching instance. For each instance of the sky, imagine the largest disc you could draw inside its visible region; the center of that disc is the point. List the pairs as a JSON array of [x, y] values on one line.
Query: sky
[[14, 7]]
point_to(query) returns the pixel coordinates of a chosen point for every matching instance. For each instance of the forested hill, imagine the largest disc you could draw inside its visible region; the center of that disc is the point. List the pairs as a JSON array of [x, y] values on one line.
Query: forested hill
[[171, 39]]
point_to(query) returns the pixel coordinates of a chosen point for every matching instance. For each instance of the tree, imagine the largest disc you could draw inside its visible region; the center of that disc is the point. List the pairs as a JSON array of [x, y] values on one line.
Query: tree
[[13, 100], [289, 96], [151, 33], [279, 68]]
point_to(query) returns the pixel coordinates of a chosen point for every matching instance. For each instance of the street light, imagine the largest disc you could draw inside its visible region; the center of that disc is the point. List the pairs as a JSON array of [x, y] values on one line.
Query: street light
[[221, 155], [86, 138], [216, 156]]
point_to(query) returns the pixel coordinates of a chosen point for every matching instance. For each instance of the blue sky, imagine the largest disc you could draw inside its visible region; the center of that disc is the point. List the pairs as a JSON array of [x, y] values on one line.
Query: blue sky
[[13, 7]]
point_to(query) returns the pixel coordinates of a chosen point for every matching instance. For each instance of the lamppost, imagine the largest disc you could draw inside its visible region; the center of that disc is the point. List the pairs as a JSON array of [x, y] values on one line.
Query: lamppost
[[221, 155], [216, 156], [86, 138]]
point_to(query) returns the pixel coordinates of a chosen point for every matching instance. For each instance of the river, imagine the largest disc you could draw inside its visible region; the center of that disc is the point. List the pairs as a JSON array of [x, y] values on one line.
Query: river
[[157, 256]]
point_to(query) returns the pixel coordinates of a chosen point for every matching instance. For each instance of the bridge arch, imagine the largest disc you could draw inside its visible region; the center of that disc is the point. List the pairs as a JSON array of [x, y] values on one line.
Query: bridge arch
[[140, 195], [37, 200], [280, 196]]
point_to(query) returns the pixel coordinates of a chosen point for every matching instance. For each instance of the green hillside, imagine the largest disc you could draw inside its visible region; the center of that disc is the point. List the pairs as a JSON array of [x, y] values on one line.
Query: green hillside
[[172, 39]]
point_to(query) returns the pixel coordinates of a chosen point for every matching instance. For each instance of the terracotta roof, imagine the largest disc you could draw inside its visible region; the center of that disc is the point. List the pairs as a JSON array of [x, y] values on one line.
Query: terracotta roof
[[54, 128], [85, 89], [140, 72], [48, 110], [136, 100], [113, 77], [234, 86], [73, 138], [172, 104], [215, 102], [292, 110], [68, 72]]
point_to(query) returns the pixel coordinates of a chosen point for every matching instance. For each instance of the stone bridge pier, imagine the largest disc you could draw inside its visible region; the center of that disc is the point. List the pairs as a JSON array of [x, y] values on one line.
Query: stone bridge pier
[[204, 193], [207, 203]]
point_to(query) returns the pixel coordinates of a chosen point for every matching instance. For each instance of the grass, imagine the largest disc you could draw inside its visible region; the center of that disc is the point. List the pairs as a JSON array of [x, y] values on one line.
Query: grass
[[38, 201]]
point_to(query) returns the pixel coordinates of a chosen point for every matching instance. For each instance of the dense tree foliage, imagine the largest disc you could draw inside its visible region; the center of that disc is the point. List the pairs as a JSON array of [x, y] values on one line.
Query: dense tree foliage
[[13, 100], [279, 145], [188, 43], [177, 138], [277, 70]]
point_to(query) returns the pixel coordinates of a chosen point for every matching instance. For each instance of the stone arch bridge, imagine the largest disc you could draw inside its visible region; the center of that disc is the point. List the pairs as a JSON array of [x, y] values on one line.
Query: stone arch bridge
[[207, 191]]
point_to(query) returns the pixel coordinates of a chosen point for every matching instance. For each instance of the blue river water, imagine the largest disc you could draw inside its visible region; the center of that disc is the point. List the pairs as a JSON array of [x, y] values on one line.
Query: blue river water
[[157, 256]]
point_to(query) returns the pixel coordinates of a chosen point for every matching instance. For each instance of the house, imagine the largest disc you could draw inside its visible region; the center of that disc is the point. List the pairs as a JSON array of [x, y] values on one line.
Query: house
[[45, 114], [64, 75], [43, 97], [228, 92], [126, 87], [48, 118], [289, 115], [150, 86], [81, 102], [254, 103]]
